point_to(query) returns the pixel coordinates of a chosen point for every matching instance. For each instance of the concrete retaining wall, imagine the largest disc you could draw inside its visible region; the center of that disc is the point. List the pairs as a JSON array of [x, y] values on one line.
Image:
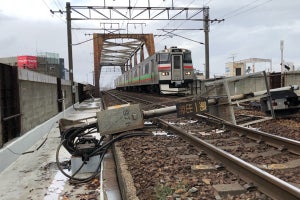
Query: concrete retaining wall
[[292, 78], [250, 84], [38, 98], [66, 88]]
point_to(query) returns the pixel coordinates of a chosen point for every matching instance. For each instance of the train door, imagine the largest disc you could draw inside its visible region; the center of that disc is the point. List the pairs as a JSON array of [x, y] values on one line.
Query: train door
[[177, 72]]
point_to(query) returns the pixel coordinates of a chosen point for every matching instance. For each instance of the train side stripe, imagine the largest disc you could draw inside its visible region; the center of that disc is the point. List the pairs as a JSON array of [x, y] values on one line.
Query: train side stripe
[[160, 68]]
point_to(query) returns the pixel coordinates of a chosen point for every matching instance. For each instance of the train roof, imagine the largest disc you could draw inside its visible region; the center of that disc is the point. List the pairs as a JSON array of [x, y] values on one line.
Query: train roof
[[173, 49]]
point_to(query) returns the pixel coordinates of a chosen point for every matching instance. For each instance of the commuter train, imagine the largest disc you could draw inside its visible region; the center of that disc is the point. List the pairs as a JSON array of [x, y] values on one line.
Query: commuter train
[[169, 71]]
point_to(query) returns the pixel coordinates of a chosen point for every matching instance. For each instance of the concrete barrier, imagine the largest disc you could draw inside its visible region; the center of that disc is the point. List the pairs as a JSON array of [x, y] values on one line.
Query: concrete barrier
[[14, 149]]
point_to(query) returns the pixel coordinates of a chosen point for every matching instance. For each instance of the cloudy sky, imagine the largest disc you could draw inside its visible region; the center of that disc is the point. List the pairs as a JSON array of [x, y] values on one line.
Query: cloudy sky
[[252, 29]]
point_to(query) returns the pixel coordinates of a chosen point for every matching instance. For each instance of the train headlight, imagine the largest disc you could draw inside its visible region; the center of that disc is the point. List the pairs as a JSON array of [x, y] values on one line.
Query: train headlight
[[165, 73], [188, 73]]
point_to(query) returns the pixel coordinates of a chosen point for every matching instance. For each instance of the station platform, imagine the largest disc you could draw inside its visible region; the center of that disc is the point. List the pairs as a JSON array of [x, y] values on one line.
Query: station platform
[[35, 175]]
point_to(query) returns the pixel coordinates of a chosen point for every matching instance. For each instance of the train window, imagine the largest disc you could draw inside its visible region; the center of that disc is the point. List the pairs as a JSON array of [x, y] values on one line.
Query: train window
[[187, 58], [152, 65], [146, 68], [164, 58]]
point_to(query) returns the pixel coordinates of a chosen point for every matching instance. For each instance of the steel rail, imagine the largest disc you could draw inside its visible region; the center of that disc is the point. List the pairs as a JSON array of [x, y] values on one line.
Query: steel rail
[[270, 139], [136, 98], [265, 182], [115, 96]]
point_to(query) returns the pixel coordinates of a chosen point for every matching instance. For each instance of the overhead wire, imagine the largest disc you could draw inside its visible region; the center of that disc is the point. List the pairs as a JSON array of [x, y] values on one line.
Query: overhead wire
[[53, 14], [249, 9], [238, 9], [171, 32], [58, 4], [207, 3], [242, 9]]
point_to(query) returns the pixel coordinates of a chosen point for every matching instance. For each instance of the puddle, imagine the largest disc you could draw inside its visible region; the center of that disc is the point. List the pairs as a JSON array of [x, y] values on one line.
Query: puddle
[[112, 195], [56, 187]]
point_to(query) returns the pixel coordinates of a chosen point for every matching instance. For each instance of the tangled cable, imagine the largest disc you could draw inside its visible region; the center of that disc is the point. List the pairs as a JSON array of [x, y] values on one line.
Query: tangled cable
[[73, 138]]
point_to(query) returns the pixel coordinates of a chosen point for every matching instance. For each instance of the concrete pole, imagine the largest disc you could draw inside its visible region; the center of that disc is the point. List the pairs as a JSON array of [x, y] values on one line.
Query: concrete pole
[[269, 94], [282, 64], [70, 52], [206, 35]]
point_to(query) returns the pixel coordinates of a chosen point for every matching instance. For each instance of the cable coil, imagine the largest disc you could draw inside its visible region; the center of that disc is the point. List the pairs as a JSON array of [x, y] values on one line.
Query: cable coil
[[73, 138]]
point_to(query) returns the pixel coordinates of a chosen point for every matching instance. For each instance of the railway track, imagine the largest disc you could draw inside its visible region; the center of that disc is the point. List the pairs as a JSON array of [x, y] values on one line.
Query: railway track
[[211, 159], [127, 98], [270, 185]]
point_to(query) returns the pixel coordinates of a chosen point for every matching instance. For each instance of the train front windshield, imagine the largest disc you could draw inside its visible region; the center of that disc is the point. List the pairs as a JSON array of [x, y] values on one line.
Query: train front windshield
[[164, 58], [187, 57]]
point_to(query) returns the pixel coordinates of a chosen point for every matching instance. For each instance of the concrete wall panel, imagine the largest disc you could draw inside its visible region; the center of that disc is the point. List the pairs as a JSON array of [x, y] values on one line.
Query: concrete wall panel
[[243, 86], [247, 85], [38, 103], [28, 75], [292, 78], [68, 94]]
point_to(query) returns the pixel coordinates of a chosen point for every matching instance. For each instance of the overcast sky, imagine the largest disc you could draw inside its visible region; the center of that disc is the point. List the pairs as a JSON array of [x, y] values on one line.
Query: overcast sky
[[252, 29]]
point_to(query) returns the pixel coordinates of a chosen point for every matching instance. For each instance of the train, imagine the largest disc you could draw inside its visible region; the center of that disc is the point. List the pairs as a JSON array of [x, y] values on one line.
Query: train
[[169, 71]]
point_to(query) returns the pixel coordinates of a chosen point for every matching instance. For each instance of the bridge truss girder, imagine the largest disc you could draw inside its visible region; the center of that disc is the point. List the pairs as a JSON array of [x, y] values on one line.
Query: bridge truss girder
[[107, 54]]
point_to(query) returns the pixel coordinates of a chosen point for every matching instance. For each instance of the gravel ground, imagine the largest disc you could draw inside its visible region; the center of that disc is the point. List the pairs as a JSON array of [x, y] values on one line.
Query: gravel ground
[[163, 167]]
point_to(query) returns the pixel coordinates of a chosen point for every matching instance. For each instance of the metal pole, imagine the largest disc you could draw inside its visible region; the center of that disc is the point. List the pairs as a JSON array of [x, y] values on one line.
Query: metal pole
[[269, 95], [282, 65], [206, 35], [70, 54]]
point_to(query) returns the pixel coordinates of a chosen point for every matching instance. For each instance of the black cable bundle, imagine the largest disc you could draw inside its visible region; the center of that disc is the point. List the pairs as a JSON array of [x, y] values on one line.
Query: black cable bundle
[[75, 135]]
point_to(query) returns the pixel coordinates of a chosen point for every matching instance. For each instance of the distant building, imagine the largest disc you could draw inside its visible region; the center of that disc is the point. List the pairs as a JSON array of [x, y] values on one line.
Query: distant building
[[61, 68], [27, 62], [66, 74], [245, 66], [234, 69], [44, 62], [48, 63]]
